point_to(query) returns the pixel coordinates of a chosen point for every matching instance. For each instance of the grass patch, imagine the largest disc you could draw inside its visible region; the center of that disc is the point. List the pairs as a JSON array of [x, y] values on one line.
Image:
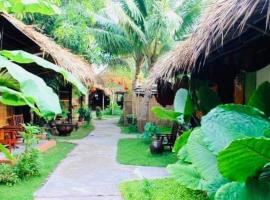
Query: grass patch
[[136, 152], [24, 190], [82, 132], [160, 189], [131, 129]]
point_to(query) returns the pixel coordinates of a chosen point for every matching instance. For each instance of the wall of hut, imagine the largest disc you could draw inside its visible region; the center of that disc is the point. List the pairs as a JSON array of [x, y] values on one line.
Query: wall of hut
[[5, 113], [133, 104]]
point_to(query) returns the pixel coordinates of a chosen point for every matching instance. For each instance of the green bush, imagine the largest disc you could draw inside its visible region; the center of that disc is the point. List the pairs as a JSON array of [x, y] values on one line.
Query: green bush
[[88, 115], [7, 175], [150, 129], [113, 109], [28, 165]]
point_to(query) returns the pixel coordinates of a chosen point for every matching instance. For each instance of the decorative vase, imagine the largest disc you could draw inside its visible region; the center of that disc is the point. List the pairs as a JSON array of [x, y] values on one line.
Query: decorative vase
[[64, 129], [156, 147]]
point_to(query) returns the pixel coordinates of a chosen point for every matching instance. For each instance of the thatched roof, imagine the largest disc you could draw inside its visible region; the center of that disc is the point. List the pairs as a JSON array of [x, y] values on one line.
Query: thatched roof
[[223, 21], [62, 57]]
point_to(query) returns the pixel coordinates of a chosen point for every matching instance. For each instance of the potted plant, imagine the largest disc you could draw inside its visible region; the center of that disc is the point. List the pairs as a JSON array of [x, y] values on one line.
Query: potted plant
[[82, 112], [65, 129]]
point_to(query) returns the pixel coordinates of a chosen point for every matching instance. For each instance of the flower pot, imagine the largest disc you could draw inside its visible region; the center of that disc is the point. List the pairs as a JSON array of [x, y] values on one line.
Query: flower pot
[[81, 119], [156, 147], [64, 129]]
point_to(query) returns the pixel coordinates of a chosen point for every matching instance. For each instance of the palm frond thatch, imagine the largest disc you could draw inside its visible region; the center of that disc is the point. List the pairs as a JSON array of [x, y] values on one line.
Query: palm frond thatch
[[221, 21], [63, 57]]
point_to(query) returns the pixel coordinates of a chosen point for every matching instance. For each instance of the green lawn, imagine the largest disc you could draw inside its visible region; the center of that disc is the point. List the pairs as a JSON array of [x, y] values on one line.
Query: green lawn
[[25, 189], [131, 129], [161, 189], [82, 132], [136, 152]]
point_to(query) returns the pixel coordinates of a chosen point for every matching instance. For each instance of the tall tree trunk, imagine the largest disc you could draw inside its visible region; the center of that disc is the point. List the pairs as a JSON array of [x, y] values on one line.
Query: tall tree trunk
[[144, 108], [138, 65]]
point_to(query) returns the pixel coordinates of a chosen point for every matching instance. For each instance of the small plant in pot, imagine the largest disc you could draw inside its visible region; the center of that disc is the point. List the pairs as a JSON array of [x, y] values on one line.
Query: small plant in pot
[[81, 111]]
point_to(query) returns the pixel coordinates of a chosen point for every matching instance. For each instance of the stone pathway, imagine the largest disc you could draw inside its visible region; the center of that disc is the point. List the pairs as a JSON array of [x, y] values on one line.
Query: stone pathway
[[90, 171]]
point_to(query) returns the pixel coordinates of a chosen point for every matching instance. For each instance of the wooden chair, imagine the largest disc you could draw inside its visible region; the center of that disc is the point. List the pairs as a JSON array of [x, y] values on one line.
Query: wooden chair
[[8, 137], [169, 139]]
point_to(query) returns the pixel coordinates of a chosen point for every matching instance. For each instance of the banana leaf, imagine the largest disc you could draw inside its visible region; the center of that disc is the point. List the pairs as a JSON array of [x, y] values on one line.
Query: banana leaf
[[28, 6], [34, 88], [23, 57], [11, 97]]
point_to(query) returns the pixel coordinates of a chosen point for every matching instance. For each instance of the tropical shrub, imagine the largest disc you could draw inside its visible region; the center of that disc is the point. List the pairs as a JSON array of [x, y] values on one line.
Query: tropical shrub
[[150, 129], [29, 136], [228, 156], [85, 113], [88, 115], [28, 165], [7, 175], [113, 109]]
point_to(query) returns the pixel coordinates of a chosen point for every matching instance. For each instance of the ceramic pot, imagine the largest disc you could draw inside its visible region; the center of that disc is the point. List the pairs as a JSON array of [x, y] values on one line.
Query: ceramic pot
[[156, 147], [64, 129]]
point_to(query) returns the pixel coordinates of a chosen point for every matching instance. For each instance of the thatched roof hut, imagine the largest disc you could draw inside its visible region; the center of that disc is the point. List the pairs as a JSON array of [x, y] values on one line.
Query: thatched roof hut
[[39, 44], [227, 31]]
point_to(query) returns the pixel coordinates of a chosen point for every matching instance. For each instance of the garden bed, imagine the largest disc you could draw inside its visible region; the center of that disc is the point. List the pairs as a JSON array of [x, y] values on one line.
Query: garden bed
[[159, 189], [136, 152], [24, 190]]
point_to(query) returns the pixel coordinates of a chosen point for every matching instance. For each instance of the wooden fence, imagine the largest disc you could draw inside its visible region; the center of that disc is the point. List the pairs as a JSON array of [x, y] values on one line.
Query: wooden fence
[[133, 104]]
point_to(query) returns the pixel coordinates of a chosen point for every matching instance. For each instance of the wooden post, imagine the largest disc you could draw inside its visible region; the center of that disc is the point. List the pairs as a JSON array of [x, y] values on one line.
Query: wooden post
[[70, 104], [103, 101]]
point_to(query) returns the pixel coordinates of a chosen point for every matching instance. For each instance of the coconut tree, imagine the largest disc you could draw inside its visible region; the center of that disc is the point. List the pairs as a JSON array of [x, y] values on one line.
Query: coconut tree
[[144, 29]]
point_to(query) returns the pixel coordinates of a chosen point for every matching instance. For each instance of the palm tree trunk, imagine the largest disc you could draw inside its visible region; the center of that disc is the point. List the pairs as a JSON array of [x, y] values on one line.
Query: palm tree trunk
[[138, 65]]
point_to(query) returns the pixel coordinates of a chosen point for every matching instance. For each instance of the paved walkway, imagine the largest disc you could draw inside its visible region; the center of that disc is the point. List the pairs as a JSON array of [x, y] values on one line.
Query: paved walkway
[[90, 171]]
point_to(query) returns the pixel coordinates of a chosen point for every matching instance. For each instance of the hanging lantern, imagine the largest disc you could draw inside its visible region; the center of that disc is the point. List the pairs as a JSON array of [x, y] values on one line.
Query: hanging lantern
[[126, 88], [93, 90]]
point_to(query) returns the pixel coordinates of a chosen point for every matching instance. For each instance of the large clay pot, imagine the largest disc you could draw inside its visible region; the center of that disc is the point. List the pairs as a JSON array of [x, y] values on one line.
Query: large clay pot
[[64, 129], [156, 147]]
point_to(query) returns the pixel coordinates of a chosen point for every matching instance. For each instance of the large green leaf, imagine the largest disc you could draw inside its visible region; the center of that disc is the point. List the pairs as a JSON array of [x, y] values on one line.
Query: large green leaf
[[165, 114], [212, 186], [181, 140], [28, 6], [207, 99], [201, 157], [183, 103], [228, 122], [34, 88], [26, 58], [13, 98], [6, 152], [243, 158], [260, 98], [232, 191], [183, 155], [187, 175], [252, 190]]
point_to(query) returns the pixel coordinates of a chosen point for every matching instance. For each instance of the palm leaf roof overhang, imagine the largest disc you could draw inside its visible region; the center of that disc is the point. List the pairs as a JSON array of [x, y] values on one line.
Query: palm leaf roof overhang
[[226, 27], [75, 64]]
